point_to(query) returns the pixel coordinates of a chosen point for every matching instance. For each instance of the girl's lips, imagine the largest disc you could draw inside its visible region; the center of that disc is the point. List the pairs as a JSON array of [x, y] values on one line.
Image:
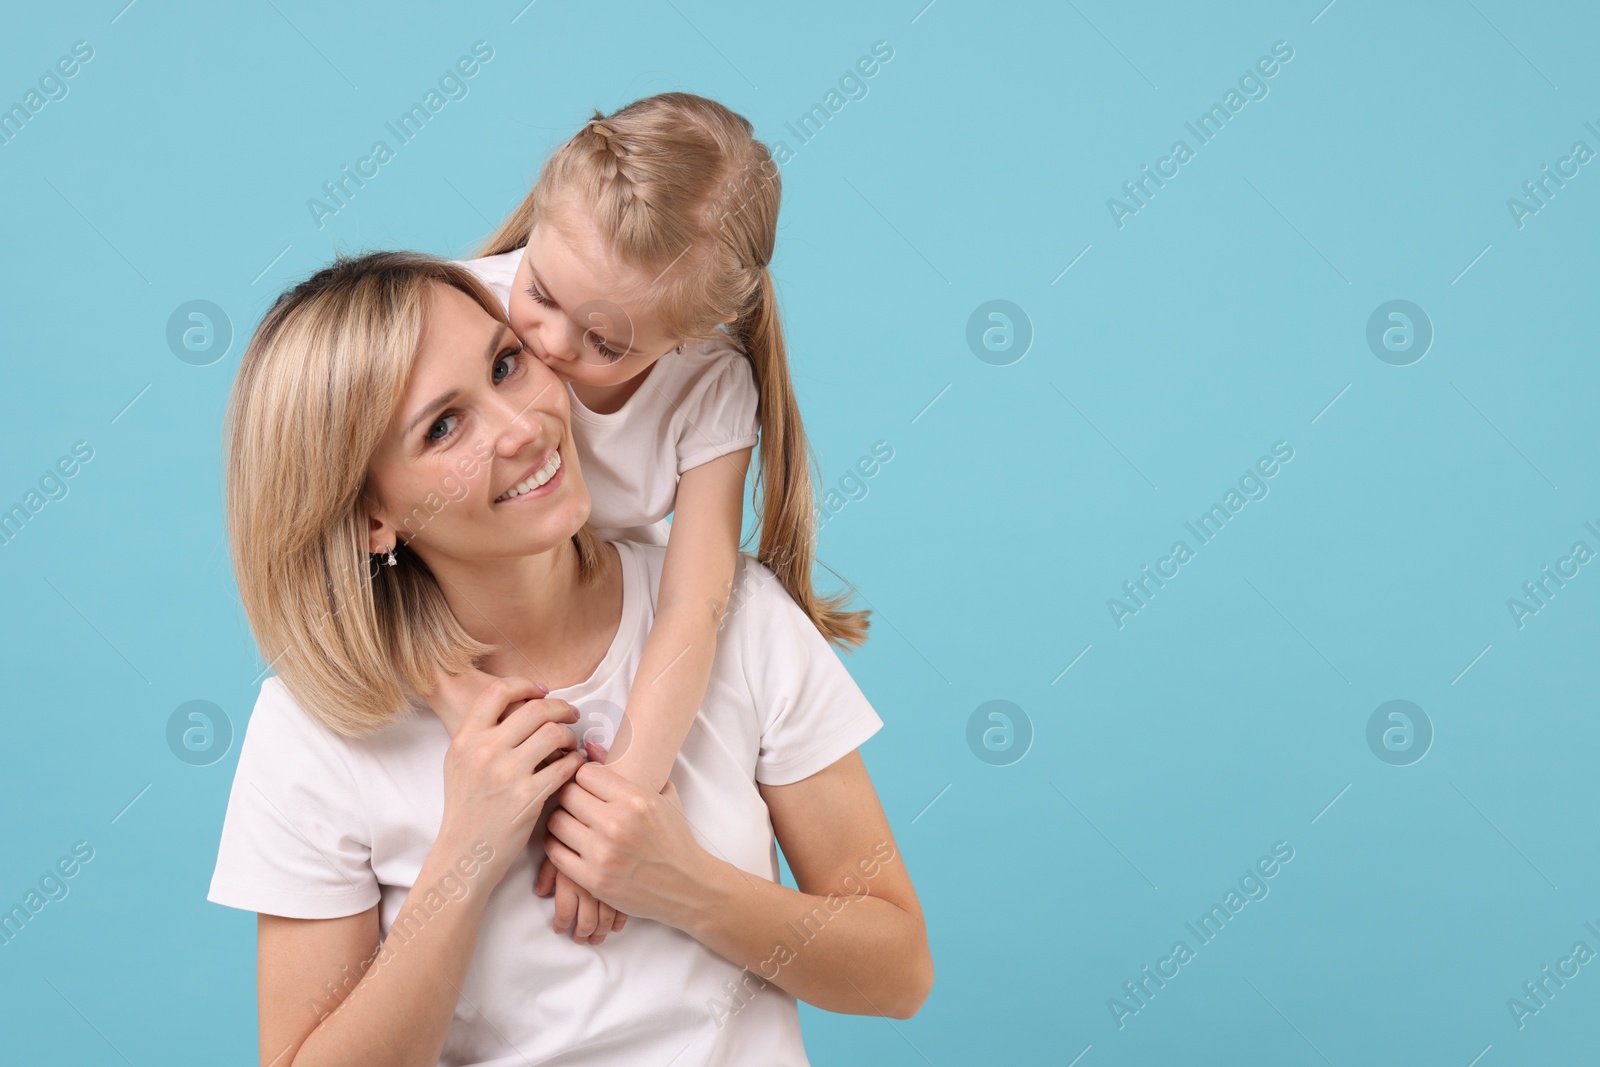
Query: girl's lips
[[547, 488]]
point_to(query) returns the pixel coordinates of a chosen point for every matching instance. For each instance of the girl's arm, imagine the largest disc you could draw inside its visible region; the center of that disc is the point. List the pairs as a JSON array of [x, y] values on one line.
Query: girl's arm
[[852, 939], [674, 667], [695, 581]]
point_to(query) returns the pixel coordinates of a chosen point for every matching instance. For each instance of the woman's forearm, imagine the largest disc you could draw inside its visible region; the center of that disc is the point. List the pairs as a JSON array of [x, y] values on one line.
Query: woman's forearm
[[844, 952], [400, 1011]]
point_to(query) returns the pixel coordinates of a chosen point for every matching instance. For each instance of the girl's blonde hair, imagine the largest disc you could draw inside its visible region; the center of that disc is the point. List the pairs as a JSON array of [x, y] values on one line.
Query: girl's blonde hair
[[678, 186], [317, 389]]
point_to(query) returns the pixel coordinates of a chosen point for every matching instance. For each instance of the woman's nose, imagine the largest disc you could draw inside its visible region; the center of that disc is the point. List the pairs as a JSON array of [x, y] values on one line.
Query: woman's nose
[[519, 425]]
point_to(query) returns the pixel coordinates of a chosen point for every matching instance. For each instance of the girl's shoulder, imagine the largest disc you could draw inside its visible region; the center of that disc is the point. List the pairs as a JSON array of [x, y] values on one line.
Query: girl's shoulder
[[716, 364], [719, 349], [498, 272], [499, 263]]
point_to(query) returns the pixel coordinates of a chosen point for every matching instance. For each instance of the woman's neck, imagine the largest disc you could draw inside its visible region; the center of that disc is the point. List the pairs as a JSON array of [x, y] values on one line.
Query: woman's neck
[[547, 622]]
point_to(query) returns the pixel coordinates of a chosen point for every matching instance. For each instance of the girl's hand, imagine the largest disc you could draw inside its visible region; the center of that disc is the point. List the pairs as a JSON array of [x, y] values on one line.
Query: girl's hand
[[632, 849], [510, 749], [594, 917]]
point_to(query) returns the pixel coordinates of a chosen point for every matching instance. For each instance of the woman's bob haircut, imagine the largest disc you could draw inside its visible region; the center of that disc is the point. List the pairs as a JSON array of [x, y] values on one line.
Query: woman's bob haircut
[[316, 392]]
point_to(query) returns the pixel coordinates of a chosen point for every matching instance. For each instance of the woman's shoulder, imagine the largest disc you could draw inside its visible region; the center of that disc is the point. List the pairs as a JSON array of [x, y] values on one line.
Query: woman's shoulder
[[762, 632], [279, 722], [277, 712], [774, 665], [754, 584], [282, 734]]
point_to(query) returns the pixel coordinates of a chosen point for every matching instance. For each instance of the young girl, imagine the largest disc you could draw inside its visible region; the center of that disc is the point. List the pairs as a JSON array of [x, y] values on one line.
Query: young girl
[[636, 268]]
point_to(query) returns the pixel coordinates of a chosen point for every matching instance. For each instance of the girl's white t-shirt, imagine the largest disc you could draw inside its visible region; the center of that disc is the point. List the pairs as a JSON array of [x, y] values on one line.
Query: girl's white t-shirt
[[691, 408], [320, 825]]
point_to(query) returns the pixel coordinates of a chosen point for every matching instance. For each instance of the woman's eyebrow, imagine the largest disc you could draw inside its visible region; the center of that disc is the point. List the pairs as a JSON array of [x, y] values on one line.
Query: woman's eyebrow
[[445, 399]]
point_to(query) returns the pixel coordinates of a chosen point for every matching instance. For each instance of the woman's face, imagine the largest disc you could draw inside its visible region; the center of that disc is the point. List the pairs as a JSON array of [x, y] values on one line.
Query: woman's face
[[570, 302], [478, 462]]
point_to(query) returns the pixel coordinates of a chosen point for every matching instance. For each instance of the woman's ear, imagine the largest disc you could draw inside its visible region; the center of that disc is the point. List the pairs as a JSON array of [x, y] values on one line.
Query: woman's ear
[[379, 539]]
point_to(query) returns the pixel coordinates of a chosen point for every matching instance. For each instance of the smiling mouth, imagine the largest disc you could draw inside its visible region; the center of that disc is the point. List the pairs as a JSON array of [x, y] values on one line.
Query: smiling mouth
[[535, 480]]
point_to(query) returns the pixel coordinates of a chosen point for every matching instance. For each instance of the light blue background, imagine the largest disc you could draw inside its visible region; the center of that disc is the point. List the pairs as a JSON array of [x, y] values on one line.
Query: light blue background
[[1227, 315]]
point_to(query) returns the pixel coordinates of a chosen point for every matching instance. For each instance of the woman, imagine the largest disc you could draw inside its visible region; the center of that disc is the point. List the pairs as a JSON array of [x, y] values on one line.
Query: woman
[[387, 790]]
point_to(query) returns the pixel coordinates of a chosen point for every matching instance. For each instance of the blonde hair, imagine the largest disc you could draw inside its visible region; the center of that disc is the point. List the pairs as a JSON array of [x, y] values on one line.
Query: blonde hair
[[316, 391], [678, 184]]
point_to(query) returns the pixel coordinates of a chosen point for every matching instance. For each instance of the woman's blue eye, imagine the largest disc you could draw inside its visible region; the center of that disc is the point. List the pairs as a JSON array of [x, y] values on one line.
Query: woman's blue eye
[[433, 437], [512, 357], [442, 420]]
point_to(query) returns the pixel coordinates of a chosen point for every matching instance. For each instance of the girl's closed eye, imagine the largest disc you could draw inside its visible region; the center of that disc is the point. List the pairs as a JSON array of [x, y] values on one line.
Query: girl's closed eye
[[539, 297], [513, 358], [603, 350]]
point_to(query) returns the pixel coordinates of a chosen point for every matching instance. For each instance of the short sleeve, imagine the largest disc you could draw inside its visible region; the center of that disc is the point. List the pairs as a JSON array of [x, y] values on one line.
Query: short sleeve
[[720, 415], [812, 712], [294, 839]]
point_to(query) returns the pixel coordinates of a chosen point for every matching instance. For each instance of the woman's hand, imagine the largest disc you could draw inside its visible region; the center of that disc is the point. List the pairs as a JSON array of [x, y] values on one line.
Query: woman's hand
[[632, 849], [510, 749]]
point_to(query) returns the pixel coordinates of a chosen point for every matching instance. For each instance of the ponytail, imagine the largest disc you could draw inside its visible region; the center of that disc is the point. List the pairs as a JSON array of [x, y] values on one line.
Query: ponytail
[[788, 515]]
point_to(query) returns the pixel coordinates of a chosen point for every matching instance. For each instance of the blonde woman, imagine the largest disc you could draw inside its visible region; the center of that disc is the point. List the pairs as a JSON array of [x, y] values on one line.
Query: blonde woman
[[407, 515]]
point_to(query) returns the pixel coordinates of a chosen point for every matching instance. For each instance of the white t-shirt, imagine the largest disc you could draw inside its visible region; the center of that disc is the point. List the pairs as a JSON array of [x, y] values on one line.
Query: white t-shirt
[[691, 408], [319, 826]]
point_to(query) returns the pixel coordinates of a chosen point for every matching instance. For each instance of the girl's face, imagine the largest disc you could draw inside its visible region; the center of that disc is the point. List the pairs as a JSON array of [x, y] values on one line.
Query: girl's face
[[570, 305], [478, 462]]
